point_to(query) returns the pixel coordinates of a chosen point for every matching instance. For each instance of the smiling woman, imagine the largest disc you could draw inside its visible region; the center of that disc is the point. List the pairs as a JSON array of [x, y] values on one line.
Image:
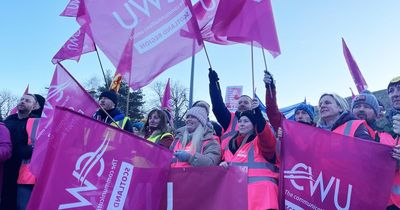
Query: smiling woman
[[194, 144], [335, 116]]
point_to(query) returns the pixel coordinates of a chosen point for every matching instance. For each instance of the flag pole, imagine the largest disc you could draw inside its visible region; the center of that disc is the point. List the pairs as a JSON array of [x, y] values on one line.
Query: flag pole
[[192, 75], [208, 57], [101, 65], [266, 69], [59, 63], [252, 67]]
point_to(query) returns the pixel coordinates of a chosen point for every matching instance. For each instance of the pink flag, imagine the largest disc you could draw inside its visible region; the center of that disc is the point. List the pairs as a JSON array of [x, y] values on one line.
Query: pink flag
[[205, 13], [91, 165], [79, 43], [72, 9], [64, 91], [324, 170], [167, 98], [354, 70], [244, 21], [15, 110], [165, 33], [211, 188]]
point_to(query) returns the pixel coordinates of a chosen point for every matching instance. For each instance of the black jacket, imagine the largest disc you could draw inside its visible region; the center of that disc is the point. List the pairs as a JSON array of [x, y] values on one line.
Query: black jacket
[[20, 150]]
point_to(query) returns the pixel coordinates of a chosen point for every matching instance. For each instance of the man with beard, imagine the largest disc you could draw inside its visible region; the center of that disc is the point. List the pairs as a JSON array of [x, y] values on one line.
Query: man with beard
[[110, 114], [393, 114], [365, 106], [225, 118], [16, 124]]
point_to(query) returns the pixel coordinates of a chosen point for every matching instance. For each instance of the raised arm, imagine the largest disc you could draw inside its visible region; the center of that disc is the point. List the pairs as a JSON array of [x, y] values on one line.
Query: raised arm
[[218, 106], [274, 115]]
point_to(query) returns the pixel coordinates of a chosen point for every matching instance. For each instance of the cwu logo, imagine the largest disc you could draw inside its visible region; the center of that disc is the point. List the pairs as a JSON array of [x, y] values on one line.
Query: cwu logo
[[301, 171], [83, 166]]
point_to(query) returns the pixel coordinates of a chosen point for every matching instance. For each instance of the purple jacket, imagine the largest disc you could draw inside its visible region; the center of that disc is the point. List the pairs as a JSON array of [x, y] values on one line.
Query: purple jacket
[[5, 149]]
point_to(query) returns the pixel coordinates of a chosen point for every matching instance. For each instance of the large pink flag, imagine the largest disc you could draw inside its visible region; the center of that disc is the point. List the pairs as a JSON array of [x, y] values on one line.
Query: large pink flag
[[324, 170], [15, 110], [245, 21], [205, 13], [165, 33], [355, 72], [91, 165], [79, 43], [211, 188], [64, 91]]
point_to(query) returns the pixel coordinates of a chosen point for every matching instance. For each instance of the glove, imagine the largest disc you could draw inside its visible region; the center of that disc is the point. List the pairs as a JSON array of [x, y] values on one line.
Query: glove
[[213, 76], [396, 124], [182, 156], [268, 79]]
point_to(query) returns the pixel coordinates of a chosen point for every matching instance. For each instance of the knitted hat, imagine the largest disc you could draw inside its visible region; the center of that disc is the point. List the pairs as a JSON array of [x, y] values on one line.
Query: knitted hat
[[366, 97], [306, 107], [204, 105], [199, 113], [110, 95], [394, 81], [249, 114]]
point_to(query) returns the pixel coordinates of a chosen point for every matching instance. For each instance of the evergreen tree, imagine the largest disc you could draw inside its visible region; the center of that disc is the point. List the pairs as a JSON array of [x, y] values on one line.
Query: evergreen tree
[[135, 99]]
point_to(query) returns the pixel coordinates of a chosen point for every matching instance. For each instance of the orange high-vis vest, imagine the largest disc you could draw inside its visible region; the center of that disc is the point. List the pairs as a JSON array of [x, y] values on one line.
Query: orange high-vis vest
[[262, 175], [349, 128], [178, 146], [230, 131], [25, 176]]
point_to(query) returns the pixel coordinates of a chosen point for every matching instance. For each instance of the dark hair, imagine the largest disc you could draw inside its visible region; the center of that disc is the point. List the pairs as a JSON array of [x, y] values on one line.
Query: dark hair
[[33, 96], [162, 126]]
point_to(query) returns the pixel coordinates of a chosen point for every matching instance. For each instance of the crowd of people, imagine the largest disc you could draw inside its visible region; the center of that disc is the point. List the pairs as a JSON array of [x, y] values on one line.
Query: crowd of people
[[241, 138]]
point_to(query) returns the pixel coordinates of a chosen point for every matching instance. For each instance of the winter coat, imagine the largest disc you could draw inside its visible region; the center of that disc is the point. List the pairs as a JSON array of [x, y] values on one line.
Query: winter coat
[[208, 155]]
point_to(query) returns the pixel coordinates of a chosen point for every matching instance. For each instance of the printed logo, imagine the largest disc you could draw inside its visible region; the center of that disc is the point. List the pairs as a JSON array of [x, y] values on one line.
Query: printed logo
[[301, 171], [84, 165]]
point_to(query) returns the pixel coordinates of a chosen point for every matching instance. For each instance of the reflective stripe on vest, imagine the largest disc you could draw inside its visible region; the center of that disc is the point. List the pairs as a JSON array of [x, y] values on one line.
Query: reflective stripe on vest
[[349, 128], [25, 176], [156, 139], [251, 164], [231, 131], [121, 123]]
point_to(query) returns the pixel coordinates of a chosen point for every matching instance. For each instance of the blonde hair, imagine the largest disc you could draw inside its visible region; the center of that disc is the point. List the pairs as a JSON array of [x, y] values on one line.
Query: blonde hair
[[341, 102], [196, 138]]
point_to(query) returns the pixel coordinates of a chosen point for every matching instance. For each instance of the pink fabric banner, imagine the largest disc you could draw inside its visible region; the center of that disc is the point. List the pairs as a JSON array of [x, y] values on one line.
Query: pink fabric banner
[[91, 165], [79, 43], [15, 110], [211, 188], [244, 21], [165, 33], [166, 100], [325, 170], [355, 72], [205, 13], [64, 91], [72, 9]]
